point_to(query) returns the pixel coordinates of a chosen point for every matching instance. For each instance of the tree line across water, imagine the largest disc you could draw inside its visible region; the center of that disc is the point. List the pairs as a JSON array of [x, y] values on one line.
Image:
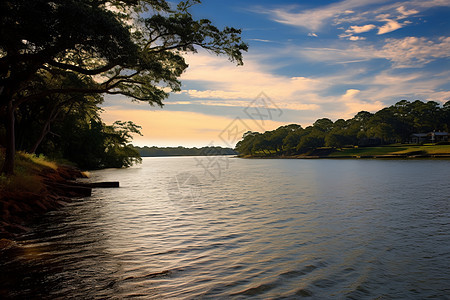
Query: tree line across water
[[393, 124], [183, 151]]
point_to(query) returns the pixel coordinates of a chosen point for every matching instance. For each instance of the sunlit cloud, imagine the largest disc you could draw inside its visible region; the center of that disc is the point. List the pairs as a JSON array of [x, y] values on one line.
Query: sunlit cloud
[[292, 93], [356, 38], [225, 81], [360, 29], [354, 104], [405, 13], [349, 33], [390, 26], [390, 87]]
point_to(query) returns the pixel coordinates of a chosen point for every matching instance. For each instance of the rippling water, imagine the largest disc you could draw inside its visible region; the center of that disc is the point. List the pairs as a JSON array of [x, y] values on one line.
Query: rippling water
[[190, 227]]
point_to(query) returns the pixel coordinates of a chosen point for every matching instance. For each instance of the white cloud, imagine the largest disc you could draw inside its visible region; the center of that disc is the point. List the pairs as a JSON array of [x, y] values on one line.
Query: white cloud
[[356, 29], [405, 13], [390, 26], [356, 38], [360, 29]]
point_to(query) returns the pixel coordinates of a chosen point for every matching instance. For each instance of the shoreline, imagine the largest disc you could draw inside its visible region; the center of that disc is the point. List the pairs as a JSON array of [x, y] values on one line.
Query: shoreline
[[21, 208], [393, 151], [391, 156]]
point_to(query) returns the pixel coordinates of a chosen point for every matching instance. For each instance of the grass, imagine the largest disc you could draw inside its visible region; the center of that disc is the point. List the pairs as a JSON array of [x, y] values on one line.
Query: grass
[[429, 149], [26, 173], [39, 160], [393, 150]]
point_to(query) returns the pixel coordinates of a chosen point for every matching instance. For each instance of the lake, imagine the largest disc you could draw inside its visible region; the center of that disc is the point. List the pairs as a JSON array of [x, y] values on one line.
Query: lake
[[222, 227]]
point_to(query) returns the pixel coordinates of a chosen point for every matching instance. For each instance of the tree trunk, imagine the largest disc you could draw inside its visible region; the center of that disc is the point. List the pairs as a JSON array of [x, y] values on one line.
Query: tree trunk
[[44, 132], [8, 166]]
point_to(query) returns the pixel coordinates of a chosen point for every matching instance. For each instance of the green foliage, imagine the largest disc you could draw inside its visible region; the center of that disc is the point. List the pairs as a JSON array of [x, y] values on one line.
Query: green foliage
[[94, 145], [393, 124]]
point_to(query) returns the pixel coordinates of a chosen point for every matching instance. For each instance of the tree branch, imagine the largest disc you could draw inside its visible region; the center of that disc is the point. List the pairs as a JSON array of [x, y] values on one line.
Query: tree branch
[[82, 70]]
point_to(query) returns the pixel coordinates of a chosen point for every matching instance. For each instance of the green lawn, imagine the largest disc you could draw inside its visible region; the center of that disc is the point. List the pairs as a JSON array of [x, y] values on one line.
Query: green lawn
[[392, 150]]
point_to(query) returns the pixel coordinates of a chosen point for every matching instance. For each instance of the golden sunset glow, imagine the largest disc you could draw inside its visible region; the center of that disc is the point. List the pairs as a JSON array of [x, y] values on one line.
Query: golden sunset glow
[[162, 127]]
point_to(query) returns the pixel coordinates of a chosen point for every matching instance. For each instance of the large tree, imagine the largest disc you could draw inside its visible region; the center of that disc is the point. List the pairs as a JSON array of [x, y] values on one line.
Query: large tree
[[128, 47]]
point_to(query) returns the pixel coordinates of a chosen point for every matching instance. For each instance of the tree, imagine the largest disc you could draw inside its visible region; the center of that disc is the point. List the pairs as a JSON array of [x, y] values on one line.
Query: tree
[[128, 47], [323, 124], [314, 139], [245, 146]]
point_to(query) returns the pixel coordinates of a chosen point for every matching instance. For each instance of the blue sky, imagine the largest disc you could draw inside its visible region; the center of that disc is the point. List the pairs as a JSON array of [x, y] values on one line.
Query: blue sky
[[310, 59]]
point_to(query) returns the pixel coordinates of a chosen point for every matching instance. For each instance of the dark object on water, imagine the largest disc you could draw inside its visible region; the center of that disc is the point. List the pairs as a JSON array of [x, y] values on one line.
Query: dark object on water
[[105, 184]]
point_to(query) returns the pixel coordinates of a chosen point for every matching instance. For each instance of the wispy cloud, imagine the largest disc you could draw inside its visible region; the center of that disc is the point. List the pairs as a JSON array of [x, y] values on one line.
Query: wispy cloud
[[415, 52], [261, 40], [404, 13], [226, 82], [355, 12], [408, 52], [315, 19]]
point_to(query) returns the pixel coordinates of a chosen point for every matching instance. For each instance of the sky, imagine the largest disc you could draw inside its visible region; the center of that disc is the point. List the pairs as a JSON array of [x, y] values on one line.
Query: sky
[[307, 59]]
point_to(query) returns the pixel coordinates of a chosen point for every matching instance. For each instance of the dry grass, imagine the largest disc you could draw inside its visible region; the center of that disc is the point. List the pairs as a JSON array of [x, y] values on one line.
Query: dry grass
[[40, 160]]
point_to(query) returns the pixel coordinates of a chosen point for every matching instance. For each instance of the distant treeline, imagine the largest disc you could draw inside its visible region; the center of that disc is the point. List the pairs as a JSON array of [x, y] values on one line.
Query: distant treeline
[[393, 124], [182, 151]]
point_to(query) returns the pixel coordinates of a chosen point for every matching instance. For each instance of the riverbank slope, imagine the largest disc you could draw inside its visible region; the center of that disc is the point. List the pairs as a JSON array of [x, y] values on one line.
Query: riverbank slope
[[38, 186]]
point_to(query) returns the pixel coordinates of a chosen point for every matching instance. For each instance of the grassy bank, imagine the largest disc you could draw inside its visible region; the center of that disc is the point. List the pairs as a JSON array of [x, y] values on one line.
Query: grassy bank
[[394, 150], [38, 186], [389, 151]]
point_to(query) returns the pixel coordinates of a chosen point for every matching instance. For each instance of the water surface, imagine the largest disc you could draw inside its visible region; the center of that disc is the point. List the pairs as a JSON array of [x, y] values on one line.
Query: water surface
[[192, 227]]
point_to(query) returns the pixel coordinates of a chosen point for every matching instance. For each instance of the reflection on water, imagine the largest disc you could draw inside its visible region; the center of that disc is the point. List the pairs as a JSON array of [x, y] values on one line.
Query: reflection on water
[[356, 229]]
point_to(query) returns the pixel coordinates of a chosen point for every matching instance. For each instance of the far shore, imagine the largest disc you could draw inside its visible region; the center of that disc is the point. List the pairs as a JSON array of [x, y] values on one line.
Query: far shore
[[397, 151], [447, 156]]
